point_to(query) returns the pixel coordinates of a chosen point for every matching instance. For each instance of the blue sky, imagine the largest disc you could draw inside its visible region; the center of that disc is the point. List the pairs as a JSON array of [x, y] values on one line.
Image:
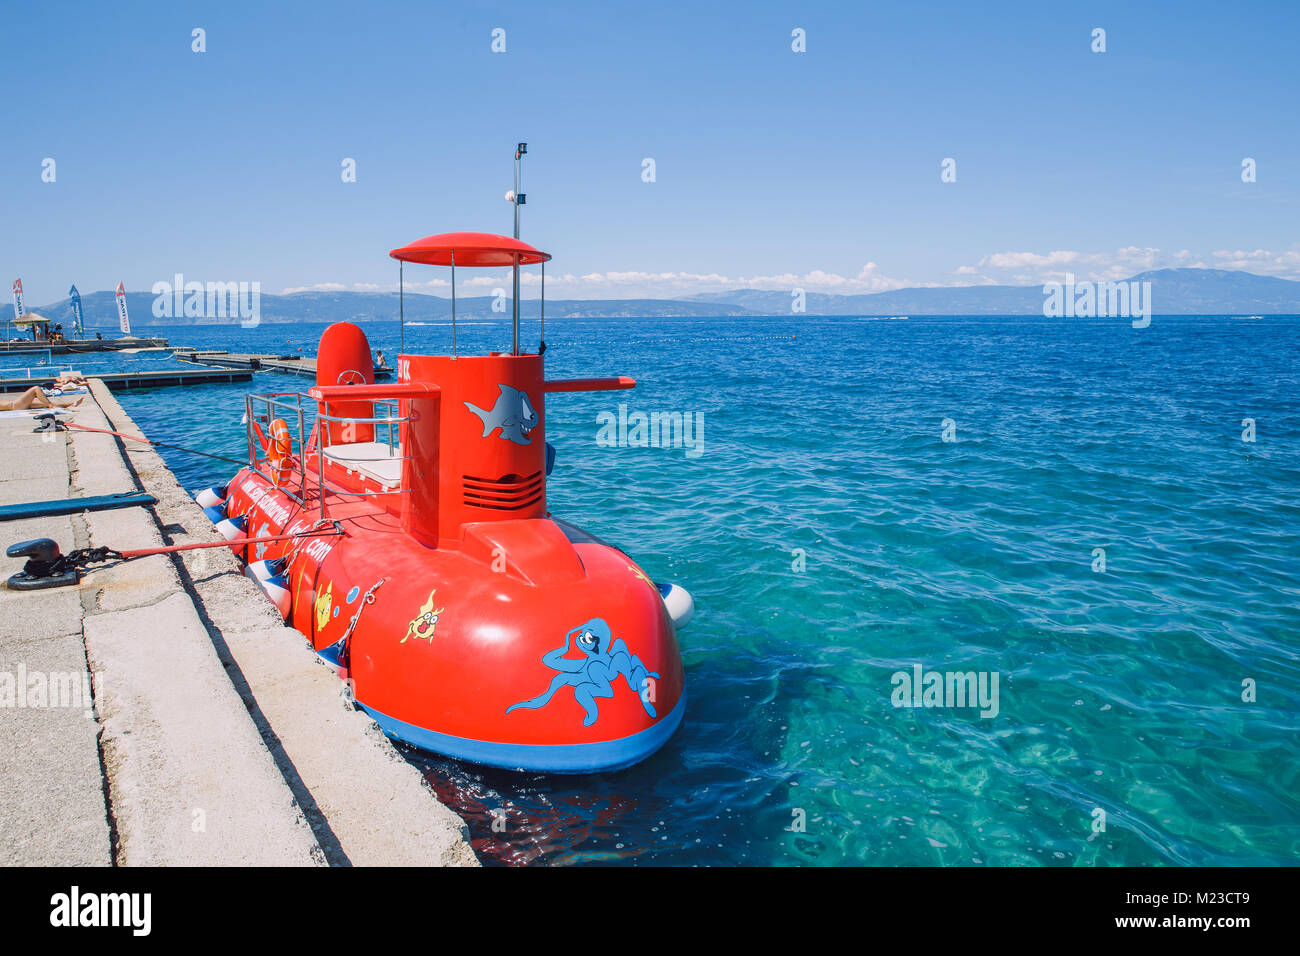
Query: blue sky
[[773, 168]]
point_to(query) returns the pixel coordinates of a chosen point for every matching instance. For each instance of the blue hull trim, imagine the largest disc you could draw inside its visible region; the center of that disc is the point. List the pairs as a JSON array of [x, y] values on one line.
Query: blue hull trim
[[330, 655], [547, 758]]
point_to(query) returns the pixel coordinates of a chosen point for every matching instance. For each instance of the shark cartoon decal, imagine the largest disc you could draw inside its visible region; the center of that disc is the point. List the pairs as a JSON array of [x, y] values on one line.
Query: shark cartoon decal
[[422, 625], [604, 658], [513, 413]]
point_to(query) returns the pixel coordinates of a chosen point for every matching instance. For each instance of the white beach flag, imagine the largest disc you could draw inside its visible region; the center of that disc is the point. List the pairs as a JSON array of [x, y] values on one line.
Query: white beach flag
[[19, 311], [123, 319]]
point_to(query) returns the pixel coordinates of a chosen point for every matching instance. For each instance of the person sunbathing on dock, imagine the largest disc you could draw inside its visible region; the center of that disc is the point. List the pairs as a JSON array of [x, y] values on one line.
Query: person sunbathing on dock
[[67, 381], [35, 398]]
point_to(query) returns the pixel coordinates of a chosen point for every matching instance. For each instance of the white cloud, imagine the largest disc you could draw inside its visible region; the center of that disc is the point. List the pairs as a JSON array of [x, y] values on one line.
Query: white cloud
[[675, 284], [637, 285], [357, 287], [318, 287], [1286, 265], [1024, 260], [1031, 268]]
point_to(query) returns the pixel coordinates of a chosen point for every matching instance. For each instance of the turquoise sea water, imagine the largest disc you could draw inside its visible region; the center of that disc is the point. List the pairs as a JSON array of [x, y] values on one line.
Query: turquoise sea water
[[1119, 691]]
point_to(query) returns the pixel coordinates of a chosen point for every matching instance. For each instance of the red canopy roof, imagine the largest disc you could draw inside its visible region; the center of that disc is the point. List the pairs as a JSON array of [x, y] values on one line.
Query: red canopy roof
[[471, 248]]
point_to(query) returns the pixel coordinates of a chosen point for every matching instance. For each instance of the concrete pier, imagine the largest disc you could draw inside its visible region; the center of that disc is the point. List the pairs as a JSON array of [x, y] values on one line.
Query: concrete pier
[[211, 736]]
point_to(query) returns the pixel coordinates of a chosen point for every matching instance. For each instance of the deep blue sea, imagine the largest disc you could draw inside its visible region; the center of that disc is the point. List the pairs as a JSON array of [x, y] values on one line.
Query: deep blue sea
[[833, 537]]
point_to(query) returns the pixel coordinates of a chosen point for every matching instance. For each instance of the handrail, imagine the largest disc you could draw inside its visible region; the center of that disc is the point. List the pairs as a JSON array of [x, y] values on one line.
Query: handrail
[[386, 394], [295, 410], [356, 420], [290, 405], [322, 395], [334, 393]]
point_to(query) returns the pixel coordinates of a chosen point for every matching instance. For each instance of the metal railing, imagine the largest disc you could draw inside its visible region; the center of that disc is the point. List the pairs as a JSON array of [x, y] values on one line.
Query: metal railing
[[291, 407], [392, 406], [52, 371], [272, 403]]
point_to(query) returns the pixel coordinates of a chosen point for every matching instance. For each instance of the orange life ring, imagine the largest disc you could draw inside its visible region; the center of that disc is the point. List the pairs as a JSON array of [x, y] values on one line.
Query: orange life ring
[[281, 440], [279, 450]]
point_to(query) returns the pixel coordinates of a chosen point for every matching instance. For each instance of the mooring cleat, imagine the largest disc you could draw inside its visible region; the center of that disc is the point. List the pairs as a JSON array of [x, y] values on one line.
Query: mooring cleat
[[49, 423], [45, 567]]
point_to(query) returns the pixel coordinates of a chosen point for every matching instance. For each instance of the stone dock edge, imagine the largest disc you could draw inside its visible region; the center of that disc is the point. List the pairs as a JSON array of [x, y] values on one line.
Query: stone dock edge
[[219, 737]]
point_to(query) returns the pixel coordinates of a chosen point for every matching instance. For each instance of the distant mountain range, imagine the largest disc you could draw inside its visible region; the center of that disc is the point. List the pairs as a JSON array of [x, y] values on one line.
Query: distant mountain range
[[1173, 292], [100, 309]]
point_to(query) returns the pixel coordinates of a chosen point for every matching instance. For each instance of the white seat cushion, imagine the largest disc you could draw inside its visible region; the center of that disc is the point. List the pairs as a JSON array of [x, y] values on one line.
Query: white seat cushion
[[370, 458]]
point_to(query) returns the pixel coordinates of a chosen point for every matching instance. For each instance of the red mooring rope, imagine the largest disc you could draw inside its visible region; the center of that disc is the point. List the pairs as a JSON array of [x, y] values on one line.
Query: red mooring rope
[[234, 542], [149, 441]]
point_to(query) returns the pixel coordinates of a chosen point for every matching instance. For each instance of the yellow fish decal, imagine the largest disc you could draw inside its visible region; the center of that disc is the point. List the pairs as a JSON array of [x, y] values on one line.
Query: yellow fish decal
[[323, 608], [422, 625], [642, 575]]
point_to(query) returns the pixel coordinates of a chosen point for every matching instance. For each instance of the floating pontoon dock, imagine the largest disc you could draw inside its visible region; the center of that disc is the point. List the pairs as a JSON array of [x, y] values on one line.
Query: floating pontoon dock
[[292, 364], [121, 381], [80, 346]]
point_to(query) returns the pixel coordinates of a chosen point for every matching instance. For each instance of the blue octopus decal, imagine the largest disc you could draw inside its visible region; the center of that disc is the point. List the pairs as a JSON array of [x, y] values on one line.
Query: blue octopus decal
[[593, 676]]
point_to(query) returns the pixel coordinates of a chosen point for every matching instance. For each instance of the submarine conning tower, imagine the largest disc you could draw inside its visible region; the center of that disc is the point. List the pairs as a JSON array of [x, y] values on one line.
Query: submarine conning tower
[[477, 452], [473, 430]]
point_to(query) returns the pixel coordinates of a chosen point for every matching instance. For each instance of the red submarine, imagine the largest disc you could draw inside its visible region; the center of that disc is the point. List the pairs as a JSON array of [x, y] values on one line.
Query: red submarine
[[408, 539]]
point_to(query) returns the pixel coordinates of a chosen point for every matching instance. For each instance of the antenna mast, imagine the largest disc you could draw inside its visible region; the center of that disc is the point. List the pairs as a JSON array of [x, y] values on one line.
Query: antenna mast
[[517, 199]]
